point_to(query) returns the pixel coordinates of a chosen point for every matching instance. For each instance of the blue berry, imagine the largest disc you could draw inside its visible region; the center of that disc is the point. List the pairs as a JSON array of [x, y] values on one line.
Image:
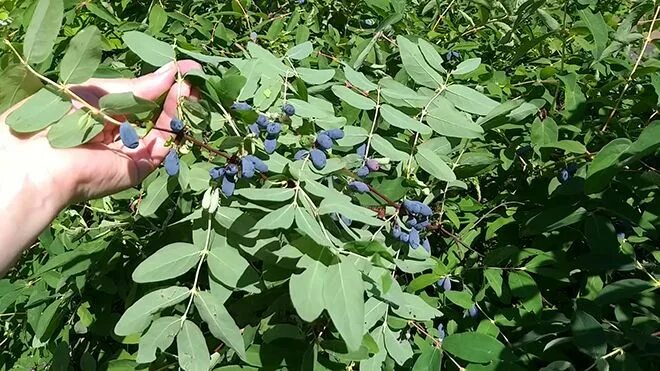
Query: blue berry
[[301, 154], [253, 36], [323, 141], [262, 121], [128, 135], [404, 237], [176, 125], [452, 55], [564, 176], [373, 165], [259, 165], [247, 167], [254, 129], [412, 207], [241, 106], [369, 22], [413, 239], [302, 2], [445, 283], [411, 223], [473, 312], [572, 168], [425, 210], [289, 109], [171, 162], [361, 150], [231, 169], [441, 332], [358, 186], [318, 158], [396, 231], [217, 173], [421, 225], [273, 128], [620, 236], [335, 134], [269, 145], [426, 245], [228, 185], [346, 220], [362, 172]]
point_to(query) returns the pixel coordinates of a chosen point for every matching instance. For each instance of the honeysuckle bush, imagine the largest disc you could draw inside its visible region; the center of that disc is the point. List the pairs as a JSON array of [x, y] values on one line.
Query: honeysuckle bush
[[361, 185]]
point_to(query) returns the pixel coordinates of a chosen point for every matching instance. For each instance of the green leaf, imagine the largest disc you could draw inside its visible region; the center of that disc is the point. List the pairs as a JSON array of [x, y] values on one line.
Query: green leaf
[[434, 165], [467, 66], [228, 265], [416, 66], [400, 95], [554, 218], [138, 316], [46, 320], [358, 79], [353, 212], [150, 50], [413, 307], [38, 112], [73, 130], [343, 292], [428, 360], [524, 287], [160, 335], [17, 84], [621, 290], [354, 99], [83, 56], [648, 141], [220, 323], [605, 165], [193, 355], [42, 32], [544, 133], [306, 290], [315, 77], [399, 119], [461, 298], [125, 103], [300, 51], [431, 55], [400, 351], [445, 120], [280, 218], [570, 146], [310, 227], [574, 99], [168, 262], [588, 334], [598, 28], [469, 100], [385, 148], [474, 347], [102, 13], [157, 19], [494, 277], [266, 194], [157, 192]]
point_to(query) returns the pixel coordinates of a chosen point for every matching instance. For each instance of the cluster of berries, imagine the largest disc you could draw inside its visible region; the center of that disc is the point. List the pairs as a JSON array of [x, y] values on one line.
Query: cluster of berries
[[369, 165], [262, 123], [324, 142], [418, 215], [567, 173], [130, 139], [451, 55], [249, 166]]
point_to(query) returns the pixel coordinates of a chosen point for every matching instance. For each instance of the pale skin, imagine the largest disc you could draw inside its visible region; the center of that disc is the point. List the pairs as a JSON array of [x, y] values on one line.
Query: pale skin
[[39, 181]]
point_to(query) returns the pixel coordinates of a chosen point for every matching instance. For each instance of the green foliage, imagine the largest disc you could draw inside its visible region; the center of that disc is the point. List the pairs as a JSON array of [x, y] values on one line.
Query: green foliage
[[529, 127]]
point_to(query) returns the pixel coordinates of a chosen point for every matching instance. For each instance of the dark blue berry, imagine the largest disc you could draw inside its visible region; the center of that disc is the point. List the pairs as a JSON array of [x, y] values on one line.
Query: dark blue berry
[[361, 150], [413, 239], [171, 162], [323, 141], [262, 121], [373, 165], [269, 145], [572, 168], [426, 245], [335, 134], [362, 172], [241, 106], [228, 185], [318, 158], [411, 223], [445, 283], [413, 207], [217, 173], [452, 55], [259, 165], [396, 231], [273, 128], [425, 210], [473, 312], [421, 225], [128, 135], [564, 176], [289, 109], [404, 237], [254, 129], [247, 167], [176, 125], [358, 186], [231, 169], [300, 154]]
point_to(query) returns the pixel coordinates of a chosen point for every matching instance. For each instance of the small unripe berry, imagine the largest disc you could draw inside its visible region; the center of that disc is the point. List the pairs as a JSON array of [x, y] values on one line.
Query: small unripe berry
[[318, 158], [289, 109], [301, 154], [335, 134], [323, 141], [247, 167], [228, 185], [269, 145], [358, 186], [362, 172], [128, 135], [273, 128], [171, 163], [241, 106], [176, 125], [373, 165], [217, 173]]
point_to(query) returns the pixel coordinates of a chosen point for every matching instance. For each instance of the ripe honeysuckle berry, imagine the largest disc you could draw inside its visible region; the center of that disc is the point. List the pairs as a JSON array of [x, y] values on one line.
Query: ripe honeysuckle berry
[[396, 231], [300, 154], [171, 162], [228, 185], [241, 106], [572, 168], [413, 239], [253, 36], [289, 109], [441, 332], [564, 176], [362, 172], [445, 283], [421, 225], [176, 125], [323, 141], [425, 209], [411, 223], [346, 220], [426, 245], [473, 312], [361, 150], [373, 165], [413, 207], [318, 158], [404, 237], [452, 55], [129, 137], [254, 129], [247, 167], [262, 121], [335, 134], [259, 165], [273, 128], [358, 186], [269, 145], [231, 169], [217, 172]]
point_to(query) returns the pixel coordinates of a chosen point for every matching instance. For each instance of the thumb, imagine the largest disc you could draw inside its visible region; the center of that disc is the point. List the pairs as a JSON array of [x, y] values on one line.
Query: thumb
[[157, 83]]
